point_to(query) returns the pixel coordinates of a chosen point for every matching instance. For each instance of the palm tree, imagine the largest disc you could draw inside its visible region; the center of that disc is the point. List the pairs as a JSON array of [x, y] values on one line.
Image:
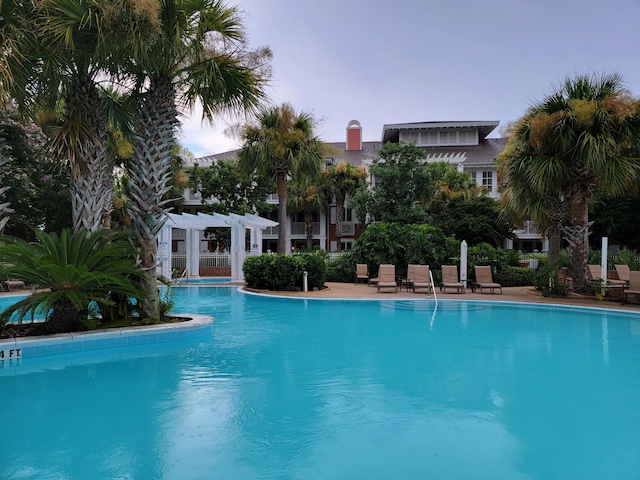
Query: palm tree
[[343, 180], [307, 197], [72, 51], [199, 55], [71, 271], [281, 145], [585, 135]]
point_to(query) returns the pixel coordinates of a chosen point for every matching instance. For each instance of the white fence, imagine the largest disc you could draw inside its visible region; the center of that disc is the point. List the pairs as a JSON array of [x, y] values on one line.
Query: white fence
[[207, 259]]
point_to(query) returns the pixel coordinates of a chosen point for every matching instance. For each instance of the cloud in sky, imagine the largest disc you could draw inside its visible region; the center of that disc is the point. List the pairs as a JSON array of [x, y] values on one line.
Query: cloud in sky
[[408, 61]]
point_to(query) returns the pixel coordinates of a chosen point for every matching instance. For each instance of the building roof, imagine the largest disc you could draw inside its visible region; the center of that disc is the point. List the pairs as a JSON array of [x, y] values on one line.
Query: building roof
[[481, 155], [391, 132]]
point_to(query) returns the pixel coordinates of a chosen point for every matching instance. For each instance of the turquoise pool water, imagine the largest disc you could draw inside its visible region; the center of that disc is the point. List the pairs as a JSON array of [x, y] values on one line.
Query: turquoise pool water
[[321, 389]]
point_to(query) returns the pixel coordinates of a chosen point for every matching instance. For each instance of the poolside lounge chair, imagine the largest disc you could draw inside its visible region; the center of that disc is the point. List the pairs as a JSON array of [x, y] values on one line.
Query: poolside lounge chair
[[484, 279], [634, 286], [450, 279], [362, 273], [422, 279], [15, 284], [411, 273], [624, 273], [595, 274], [387, 277]]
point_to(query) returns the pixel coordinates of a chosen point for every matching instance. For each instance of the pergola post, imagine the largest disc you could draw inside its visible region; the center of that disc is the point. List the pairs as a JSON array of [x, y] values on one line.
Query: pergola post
[[164, 266]]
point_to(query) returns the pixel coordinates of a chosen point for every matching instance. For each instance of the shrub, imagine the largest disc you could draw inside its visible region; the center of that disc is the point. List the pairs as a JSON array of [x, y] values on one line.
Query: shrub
[[549, 282], [342, 268], [284, 272], [627, 257], [315, 265], [515, 276]]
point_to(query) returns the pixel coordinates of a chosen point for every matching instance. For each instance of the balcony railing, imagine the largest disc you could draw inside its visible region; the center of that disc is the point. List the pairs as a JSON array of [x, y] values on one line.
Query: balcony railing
[[300, 228], [348, 228]]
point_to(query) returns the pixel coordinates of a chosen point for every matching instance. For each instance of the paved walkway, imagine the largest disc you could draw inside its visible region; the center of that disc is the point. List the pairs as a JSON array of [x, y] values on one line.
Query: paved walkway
[[510, 294]]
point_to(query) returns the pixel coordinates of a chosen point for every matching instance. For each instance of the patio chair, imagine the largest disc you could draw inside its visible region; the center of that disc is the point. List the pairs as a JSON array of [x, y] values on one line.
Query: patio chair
[[422, 279], [408, 282], [484, 279], [450, 279], [362, 273], [624, 273], [387, 277], [595, 274], [14, 284], [634, 286]]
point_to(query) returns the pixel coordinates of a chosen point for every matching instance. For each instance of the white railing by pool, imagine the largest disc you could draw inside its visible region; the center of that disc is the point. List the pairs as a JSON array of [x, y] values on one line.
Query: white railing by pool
[[207, 259]]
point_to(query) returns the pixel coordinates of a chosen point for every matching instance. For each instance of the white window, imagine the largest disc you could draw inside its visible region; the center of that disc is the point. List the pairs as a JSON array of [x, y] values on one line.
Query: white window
[[487, 181], [348, 215]]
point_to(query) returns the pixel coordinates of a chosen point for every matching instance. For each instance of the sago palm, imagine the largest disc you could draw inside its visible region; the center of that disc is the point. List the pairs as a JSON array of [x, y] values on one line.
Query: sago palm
[[585, 135], [281, 144], [71, 270]]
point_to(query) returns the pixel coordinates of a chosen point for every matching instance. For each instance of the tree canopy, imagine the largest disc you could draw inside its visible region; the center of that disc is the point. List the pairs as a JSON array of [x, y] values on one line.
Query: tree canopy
[[584, 135]]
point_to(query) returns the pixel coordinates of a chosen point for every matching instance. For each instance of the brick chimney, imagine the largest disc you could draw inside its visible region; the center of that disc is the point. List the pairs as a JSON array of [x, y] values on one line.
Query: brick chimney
[[354, 135]]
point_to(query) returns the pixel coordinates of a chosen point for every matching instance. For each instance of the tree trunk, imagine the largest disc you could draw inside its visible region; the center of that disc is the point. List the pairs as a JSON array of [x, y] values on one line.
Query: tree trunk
[[282, 213], [555, 240], [88, 155], [62, 319], [339, 224], [157, 119], [308, 225], [580, 226]]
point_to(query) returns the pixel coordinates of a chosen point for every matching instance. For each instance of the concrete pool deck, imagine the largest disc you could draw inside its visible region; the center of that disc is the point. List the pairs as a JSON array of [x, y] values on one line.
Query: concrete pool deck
[[363, 291], [510, 294]]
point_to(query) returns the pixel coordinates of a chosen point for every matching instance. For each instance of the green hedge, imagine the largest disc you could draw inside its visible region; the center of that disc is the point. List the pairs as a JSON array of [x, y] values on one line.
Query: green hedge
[[515, 276], [284, 272]]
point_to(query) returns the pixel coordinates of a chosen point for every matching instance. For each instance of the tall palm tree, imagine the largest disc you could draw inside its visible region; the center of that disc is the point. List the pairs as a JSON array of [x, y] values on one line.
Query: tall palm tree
[[307, 197], [71, 43], [281, 144], [343, 180], [585, 135], [199, 55]]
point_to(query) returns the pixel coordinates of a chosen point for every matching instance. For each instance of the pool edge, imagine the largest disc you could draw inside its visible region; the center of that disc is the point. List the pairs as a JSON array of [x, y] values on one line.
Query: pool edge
[[21, 347]]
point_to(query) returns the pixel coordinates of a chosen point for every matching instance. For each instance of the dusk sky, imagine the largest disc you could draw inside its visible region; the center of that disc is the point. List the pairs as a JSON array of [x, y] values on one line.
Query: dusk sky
[[418, 61]]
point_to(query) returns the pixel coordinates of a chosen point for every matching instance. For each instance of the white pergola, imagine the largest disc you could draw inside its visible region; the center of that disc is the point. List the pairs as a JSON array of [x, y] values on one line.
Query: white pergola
[[193, 224]]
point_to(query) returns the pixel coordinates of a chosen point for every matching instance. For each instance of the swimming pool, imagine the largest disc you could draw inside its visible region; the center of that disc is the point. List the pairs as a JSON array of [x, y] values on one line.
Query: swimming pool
[[295, 388]]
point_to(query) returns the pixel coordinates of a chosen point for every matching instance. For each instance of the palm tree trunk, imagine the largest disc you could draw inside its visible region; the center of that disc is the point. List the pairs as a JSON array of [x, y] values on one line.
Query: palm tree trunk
[[555, 240], [339, 224], [308, 225], [579, 219], [282, 213], [150, 175], [88, 156]]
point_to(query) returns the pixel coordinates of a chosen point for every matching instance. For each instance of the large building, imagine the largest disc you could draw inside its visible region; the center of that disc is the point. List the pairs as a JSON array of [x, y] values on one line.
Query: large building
[[464, 145]]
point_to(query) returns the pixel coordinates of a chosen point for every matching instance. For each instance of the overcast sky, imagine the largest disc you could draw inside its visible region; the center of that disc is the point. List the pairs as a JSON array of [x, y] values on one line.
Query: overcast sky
[[423, 60]]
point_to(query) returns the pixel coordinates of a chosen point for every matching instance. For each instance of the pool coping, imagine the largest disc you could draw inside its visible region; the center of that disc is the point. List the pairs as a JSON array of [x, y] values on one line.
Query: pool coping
[[21, 347]]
